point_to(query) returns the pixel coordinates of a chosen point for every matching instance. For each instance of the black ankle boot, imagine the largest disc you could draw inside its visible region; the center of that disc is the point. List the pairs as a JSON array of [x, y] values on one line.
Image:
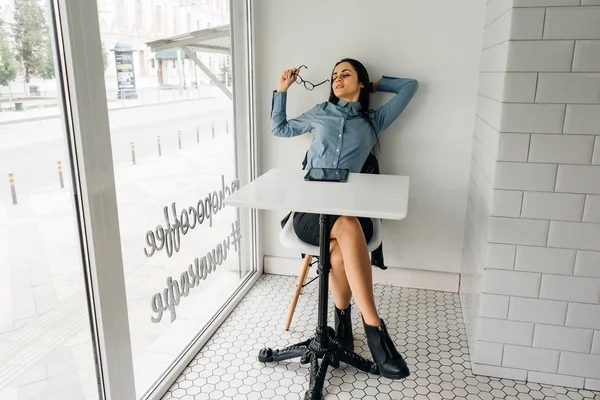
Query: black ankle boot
[[390, 362], [343, 328]]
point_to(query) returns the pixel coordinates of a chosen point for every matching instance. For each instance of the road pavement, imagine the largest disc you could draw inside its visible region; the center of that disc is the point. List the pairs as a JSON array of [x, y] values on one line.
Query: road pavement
[[30, 150]]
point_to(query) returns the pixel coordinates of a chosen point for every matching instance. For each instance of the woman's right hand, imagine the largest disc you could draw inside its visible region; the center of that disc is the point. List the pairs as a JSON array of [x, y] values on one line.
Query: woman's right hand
[[288, 77]]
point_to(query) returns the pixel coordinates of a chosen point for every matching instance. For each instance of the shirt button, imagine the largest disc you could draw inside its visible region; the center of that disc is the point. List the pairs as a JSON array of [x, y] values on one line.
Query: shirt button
[[334, 163], [337, 150], [340, 135]]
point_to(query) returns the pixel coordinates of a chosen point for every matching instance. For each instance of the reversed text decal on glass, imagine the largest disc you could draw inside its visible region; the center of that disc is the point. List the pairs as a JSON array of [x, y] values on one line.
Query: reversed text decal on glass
[[169, 238]]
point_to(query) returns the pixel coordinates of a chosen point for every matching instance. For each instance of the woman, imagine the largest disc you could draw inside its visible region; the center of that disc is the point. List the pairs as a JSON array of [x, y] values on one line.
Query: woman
[[345, 133]]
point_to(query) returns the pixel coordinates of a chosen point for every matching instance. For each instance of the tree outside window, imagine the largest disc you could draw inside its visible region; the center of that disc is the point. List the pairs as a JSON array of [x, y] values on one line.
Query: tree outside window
[[30, 34]]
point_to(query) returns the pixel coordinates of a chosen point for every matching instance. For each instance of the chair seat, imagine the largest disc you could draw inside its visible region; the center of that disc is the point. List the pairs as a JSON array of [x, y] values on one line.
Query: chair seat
[[289, 239]]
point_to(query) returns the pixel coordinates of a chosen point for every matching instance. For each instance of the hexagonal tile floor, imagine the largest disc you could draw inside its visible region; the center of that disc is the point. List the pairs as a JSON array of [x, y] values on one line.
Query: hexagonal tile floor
[[425, 326]]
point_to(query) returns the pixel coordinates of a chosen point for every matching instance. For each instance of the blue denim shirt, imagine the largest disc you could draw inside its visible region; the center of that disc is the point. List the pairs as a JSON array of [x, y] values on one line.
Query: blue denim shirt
[[343, 138]]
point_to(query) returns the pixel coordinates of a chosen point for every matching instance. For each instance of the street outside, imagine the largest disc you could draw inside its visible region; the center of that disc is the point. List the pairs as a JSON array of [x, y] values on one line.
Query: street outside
[[45, 345]]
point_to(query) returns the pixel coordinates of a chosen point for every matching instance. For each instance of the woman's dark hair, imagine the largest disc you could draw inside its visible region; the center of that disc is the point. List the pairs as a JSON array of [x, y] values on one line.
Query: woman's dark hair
[[363, 97]]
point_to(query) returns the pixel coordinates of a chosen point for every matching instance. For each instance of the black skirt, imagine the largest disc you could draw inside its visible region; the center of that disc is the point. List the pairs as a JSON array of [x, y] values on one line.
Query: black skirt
[[306, 227]]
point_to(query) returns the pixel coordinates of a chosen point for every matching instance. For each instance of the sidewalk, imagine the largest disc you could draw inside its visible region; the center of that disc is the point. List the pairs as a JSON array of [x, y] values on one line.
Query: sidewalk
[[145, 99], [45, 344]]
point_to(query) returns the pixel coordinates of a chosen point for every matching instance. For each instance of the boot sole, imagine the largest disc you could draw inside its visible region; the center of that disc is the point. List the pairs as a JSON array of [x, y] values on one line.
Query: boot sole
[[396, 376]]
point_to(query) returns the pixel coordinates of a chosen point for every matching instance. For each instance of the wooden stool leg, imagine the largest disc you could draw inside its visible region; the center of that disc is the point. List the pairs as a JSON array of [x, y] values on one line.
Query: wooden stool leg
[[301, 280], [306, 275]]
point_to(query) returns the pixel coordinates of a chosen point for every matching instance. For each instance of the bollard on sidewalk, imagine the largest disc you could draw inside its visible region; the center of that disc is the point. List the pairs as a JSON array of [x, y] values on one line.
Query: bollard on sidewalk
[[213, 130], [60, 175], [179, 138], [133, 153], [197, 134], [159, 149], [13, 192]]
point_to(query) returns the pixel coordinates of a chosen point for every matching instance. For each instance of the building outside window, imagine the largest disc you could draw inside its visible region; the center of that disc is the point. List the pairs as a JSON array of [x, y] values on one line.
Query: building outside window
[[139, 14], [159, 19]]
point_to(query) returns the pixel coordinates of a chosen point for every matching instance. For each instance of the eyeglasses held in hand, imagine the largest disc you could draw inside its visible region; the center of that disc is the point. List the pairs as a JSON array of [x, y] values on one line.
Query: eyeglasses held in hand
[[308, 85]]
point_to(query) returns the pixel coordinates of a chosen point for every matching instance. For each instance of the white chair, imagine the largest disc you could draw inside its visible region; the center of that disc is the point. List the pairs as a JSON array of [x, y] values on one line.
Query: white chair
[[289, 239]]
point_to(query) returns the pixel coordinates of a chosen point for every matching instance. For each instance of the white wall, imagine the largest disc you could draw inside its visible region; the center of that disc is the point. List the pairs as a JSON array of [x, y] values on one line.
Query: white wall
[[435, 41], [531, 273]]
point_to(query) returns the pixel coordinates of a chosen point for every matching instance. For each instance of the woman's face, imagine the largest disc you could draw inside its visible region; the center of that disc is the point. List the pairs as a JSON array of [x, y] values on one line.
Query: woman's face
[[345, 82]]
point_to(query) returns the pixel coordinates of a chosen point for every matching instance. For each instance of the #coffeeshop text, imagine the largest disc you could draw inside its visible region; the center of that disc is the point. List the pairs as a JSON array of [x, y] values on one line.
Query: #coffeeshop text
[[169, 238]]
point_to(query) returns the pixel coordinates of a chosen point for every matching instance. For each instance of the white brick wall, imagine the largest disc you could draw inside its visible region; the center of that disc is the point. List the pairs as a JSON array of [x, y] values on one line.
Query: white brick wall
[[568, 88], [545, 259], [556, 379], [527, 23], [540, 56], [578, 179], [539, 120], [490, 111], [502, 331], [585, 365], [583, 316], [488, 353], [596, 343], [572, 23], [588, 264], [502, 256], [592, 209], [496, 306], [582, 119], [544, 3], [554, 206], [572, 235], [494, 58], [537, 310], [531, 118], [496, 9], [518, 231], [512, 283], [513, 147], [587, 55], [563, 338], [570, 288], [566, 149], [530, 358], [488, 136], [592, 384], [507, 203], [523, 176]]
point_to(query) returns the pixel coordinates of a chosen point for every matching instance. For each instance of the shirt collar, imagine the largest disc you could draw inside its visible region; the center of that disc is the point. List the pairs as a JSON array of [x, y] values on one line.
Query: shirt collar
[[354, 105]]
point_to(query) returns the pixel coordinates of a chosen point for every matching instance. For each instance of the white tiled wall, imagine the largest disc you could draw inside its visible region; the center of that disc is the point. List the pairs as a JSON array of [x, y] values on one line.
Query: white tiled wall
[[531, 268]]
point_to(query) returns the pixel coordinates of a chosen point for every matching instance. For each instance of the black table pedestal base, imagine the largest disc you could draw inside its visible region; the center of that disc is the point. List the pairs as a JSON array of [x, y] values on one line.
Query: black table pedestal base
[[310, 351], [323, 346]]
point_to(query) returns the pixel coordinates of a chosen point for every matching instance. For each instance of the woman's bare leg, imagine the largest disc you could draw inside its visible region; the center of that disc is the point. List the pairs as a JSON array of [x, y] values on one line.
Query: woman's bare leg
[[355, 255], [337, 278]]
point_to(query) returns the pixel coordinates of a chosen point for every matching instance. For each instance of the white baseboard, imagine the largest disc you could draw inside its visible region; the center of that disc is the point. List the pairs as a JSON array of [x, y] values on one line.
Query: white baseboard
[[412, 278]]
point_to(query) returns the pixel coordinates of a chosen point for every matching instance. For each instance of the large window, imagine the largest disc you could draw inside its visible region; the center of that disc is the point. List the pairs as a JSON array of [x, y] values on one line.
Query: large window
[[46, 347], [117, 255], [175, 161]]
